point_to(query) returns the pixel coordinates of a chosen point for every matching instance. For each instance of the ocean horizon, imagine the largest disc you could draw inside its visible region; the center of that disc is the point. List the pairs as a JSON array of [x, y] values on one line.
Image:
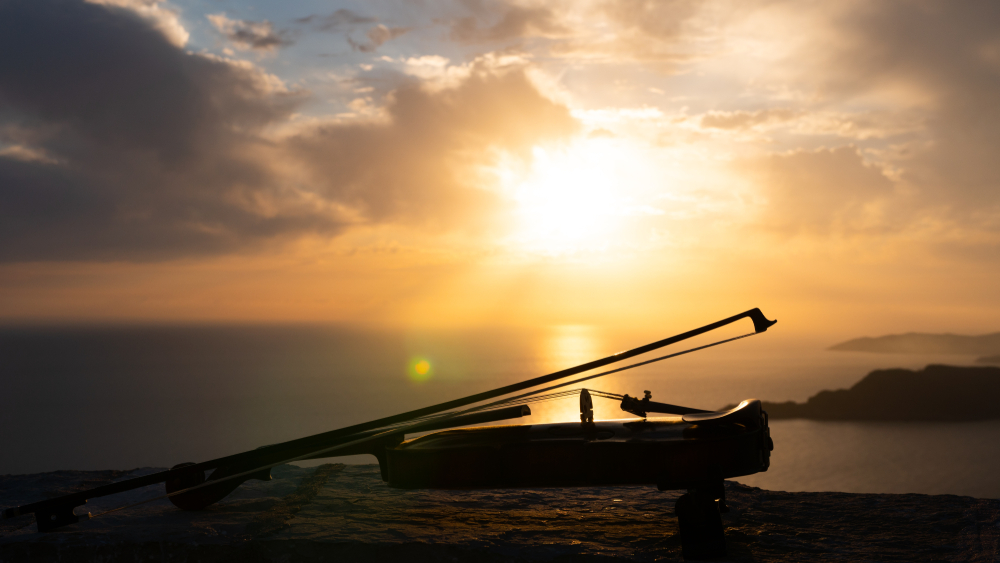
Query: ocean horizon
[[125, 396]]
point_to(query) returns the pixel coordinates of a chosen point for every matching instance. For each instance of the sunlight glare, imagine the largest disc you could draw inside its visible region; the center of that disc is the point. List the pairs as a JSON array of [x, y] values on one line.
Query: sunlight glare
[[577, 198], [566, 346]]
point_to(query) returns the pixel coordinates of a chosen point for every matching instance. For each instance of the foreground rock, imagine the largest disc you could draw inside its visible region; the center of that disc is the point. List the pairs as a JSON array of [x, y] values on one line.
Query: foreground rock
[[935, 393], [348, 514]]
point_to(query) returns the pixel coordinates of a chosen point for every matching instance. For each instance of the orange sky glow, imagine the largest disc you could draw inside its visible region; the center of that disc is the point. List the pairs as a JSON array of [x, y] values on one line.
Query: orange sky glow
[[630, 165]]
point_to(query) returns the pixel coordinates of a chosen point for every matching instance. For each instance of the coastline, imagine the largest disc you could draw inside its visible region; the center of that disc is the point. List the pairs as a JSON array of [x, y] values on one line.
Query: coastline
[[936, 393]]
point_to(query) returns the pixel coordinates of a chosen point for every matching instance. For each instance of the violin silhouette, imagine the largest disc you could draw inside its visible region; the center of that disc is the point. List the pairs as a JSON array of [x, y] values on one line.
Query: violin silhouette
[[689, 449]]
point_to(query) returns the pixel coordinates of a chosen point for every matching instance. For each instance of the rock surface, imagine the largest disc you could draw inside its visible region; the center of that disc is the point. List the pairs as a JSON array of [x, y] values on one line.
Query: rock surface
[[346, 513]]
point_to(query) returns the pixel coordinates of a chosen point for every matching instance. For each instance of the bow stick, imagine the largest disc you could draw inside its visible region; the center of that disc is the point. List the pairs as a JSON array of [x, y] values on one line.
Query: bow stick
[[58, 511]]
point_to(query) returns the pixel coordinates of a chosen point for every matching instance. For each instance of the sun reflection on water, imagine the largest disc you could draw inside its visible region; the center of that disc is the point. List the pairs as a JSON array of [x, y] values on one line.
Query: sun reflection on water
[[566, 346], [570, 345]]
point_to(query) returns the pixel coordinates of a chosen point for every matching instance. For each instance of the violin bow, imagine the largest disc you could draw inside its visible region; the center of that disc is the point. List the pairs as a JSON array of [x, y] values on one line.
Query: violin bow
[[60, 509]]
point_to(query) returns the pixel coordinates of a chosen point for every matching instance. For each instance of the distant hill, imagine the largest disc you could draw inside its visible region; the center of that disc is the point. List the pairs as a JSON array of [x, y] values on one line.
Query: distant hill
[[935, 393], [922, 343], [988, 360]]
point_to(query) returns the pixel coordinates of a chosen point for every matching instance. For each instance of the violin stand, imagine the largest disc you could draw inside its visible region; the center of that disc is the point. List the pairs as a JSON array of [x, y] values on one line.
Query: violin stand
[[700, 521]]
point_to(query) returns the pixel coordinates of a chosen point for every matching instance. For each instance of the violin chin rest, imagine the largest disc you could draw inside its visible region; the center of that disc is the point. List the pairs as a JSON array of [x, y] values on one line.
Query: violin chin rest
[[747, 413]]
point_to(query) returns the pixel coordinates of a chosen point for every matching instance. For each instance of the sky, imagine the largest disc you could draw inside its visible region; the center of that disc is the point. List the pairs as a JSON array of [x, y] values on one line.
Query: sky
[[470, 163]]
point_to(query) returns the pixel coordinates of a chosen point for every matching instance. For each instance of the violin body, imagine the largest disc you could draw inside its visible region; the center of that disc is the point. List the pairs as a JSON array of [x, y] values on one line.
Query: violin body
[[675, 452]]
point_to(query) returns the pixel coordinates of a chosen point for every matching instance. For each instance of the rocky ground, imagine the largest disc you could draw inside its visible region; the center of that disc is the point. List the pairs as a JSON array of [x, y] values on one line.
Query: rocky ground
[[346, 513]]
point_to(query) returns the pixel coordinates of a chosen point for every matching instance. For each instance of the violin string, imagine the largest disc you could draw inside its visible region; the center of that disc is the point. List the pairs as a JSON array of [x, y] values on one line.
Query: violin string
[[563, 394], [521, 399], [393, 429], [605, 395], [557, 396], [502, 402]]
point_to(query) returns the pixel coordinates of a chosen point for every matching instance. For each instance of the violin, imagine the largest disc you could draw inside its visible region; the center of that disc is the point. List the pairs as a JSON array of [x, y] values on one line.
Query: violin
[[688, 448]]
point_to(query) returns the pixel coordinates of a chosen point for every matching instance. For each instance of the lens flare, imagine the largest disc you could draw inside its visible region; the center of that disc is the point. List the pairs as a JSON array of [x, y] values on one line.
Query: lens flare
[[420, 369]]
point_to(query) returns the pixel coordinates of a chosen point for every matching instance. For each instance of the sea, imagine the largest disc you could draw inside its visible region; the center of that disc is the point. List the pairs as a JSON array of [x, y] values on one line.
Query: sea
[[92, 397]]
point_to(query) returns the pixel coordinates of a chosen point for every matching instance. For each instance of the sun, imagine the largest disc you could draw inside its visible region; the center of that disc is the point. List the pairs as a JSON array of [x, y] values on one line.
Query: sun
[[576, 198]]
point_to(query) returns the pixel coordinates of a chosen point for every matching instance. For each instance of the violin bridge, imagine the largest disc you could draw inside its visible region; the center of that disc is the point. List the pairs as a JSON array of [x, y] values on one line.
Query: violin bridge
[[586, 407]]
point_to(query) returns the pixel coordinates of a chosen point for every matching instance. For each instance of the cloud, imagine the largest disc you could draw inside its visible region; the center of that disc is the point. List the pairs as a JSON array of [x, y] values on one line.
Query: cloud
[[347, 21], [338, 20], [377, 36], [746, 119], [947, 49], [163, 19], [913, 83], [663, 21], [420, 165], [114, 80], [938, 60], [822, 192], [663, 34], [245, 34], [26, 154], [156, 147], [514, 22], [129, 148]]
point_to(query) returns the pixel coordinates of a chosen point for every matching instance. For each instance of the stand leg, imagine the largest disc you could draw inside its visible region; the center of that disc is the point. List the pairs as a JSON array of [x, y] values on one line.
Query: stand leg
[[700, 523]]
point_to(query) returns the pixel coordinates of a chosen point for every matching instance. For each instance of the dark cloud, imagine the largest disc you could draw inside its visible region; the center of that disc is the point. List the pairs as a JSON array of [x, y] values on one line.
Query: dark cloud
[[115, 144], [939, 61], [376, 37], [251, 34], [347, 21], [337, 21], [948, 54], [102, 75], [156, 148]]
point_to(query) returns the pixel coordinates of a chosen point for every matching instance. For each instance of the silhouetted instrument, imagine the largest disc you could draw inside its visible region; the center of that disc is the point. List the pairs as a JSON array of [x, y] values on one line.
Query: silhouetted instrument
[[690, 449]]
